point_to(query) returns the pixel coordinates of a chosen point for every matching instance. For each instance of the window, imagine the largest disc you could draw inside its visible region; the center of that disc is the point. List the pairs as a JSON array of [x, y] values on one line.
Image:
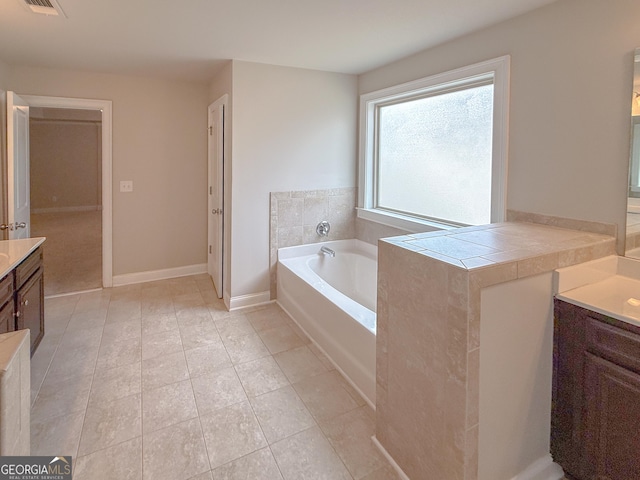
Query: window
[[434, 151]]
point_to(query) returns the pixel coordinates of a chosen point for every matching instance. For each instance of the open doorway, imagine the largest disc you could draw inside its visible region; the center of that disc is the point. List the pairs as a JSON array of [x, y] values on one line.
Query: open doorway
[[78, 110], [66, 196]]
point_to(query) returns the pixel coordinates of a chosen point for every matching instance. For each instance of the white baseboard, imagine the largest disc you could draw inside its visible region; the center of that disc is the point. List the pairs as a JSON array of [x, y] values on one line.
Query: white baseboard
[[251, 300], [542, 469], [85, 208], [153, 275], [396, 467]]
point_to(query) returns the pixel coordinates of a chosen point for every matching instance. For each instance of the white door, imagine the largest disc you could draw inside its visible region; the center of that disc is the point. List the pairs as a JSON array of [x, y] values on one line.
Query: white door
[[18, 207], [216, 193]]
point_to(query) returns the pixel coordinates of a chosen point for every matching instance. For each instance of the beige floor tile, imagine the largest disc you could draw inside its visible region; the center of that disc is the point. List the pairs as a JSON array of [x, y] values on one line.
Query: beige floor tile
[[299, 363], [261, 376], [308, 454], [280, 339], [267, 318], [258, 465], [124, 330], [57, 436], [114, 383], [245, 348], [168, 405], [207, 359], [73, 362], [385, 473], [119, 462], [87, 319], [200, 335], [61, 397], [234, 326], [162, 322], [177, 452], [231, 432], [217, 390], [281, 414], [153, 306], [81, 337], [194, 316], [164, 370], [163, 343], [325, 396], [203, 476], [119, 353], [321, 356], [109, 423], [350, 435]]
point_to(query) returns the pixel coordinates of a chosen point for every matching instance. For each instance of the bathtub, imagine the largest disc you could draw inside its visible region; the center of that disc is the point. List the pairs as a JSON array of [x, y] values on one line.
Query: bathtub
[[333, 299]]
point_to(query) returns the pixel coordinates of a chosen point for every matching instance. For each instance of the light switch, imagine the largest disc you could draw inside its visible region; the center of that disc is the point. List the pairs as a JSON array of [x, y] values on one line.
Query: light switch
[[126, 185]]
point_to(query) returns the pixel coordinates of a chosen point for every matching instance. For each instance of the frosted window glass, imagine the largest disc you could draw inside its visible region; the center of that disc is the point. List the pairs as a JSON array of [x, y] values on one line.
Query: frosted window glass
[[434, 156]]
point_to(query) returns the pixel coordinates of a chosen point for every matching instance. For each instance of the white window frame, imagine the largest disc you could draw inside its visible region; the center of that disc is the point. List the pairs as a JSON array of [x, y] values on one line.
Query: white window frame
[[367, 181]]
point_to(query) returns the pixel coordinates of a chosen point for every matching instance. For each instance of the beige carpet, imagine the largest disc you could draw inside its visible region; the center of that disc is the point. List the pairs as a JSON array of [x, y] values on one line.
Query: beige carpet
[[72, 252]]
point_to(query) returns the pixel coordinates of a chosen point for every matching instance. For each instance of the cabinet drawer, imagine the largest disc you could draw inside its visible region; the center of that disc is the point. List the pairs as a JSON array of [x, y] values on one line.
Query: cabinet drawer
[[28, 267], [6, 289], [618, 346]]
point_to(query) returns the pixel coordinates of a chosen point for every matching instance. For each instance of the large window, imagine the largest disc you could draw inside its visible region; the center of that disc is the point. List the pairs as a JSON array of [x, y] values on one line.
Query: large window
[[434, 151]]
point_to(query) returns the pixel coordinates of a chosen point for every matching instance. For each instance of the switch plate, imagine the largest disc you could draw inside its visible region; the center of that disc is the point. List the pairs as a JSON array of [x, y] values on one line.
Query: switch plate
[[126, 185]]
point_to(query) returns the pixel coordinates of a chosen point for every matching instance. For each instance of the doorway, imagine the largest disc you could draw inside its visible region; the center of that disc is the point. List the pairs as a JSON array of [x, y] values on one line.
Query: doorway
[[66, 199], [90, 223]]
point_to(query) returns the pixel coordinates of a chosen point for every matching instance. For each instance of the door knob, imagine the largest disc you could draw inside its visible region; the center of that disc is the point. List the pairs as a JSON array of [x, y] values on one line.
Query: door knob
[[21, 225], [4, 226]]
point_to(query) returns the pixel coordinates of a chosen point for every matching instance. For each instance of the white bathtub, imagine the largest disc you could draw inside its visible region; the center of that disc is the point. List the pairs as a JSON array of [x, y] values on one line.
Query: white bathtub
[[333, 299]]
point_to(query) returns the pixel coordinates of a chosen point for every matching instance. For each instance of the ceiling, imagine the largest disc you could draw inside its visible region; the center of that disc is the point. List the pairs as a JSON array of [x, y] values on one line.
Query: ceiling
[[191, 39]]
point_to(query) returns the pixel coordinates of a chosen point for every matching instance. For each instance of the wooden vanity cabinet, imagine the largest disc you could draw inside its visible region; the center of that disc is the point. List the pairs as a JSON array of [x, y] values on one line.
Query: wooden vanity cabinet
[[595, 423], [29, 296]]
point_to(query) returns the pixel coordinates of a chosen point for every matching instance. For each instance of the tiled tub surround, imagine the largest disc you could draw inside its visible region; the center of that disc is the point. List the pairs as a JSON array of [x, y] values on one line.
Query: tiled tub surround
[[294, 216], [428, 368], [158, 381]]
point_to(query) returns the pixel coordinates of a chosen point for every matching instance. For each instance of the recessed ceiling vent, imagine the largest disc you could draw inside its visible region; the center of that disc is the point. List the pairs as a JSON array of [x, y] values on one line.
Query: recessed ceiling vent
[[45, 7]]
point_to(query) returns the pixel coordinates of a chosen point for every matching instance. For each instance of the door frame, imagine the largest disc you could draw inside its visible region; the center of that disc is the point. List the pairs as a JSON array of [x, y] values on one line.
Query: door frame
[[107, 213], [220, 103]]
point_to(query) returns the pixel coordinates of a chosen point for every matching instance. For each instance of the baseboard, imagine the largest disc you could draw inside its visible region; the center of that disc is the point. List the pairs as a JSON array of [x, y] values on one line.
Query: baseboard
[[86, 208], [153, 275], [251, 300], [542, 469], [396, 467]]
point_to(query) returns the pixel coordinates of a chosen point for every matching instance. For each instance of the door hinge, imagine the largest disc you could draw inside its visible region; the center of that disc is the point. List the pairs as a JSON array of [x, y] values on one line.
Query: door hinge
[[210, 130], [209, 248], [210, 190]]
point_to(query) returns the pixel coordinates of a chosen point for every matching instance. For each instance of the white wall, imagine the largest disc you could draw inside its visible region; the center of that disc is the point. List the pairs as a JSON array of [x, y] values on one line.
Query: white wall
[[293, 129], [159, 142], [571, 77]]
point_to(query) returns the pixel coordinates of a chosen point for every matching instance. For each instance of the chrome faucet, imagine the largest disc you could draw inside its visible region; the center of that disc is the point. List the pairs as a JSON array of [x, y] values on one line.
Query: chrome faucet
[[328, 251]]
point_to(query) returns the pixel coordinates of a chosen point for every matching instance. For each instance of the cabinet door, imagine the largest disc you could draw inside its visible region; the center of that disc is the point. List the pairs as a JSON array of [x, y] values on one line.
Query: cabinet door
[[7, 318], [30, 308], [612, 418]]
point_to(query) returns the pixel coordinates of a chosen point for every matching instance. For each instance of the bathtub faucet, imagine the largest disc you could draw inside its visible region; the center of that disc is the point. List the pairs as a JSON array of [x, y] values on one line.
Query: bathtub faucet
[[328, 251]]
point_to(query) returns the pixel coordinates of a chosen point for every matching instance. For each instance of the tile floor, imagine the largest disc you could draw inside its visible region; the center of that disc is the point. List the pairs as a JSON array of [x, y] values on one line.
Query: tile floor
[[158, 381]]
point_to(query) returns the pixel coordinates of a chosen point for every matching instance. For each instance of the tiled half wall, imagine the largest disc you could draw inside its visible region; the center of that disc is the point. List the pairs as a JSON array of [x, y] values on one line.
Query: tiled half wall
[[295, 215]]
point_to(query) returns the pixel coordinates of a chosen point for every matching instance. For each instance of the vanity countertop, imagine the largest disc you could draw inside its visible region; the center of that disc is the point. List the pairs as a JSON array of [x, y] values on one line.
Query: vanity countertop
[[610, 286], [12, 252]]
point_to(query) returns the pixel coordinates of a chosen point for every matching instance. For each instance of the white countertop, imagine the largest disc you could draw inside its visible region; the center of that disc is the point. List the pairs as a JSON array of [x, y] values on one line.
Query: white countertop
[[610, 286], [12, 252]]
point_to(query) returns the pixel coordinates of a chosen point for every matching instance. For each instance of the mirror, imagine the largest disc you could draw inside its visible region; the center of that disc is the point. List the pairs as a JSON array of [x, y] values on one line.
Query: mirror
[[632, 243]]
